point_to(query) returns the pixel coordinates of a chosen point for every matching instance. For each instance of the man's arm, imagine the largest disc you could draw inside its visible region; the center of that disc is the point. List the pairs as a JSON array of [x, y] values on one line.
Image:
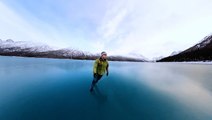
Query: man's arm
[[95, 67], [107, 69]]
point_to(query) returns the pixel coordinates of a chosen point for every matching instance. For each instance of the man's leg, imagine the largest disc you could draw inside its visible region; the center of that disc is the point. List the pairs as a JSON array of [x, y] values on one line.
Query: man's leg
[[93, 83], [95, 80], [98, 78]]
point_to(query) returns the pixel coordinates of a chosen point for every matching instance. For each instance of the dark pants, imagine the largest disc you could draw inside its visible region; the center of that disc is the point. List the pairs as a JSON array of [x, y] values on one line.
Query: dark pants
[[96, 78]]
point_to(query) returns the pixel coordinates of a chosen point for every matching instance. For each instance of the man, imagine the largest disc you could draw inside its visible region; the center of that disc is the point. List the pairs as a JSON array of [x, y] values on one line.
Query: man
[[100, 66]]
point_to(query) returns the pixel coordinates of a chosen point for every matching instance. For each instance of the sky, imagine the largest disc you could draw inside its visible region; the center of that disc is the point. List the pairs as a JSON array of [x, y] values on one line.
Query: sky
[[150, 28]]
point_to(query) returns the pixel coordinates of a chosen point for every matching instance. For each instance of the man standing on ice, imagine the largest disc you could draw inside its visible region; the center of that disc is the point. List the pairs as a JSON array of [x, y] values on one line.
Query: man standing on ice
[[100, 67]]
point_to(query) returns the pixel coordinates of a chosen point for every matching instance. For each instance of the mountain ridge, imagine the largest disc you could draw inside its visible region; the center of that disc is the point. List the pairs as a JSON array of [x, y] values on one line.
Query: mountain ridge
[[29, 49], [202, 51]]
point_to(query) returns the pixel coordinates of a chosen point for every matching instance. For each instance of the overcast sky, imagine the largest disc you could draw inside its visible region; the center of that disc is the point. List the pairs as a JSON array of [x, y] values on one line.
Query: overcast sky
[[152, 28]]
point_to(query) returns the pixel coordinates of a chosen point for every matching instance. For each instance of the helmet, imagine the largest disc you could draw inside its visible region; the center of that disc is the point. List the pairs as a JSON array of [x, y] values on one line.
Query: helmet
[[103, 53]]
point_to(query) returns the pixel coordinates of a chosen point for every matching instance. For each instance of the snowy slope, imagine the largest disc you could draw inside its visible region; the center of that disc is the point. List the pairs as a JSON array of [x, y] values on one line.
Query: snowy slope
[[24, 45], [202, 51], [202, 44], [138, 56], [31, 49], [175, 53]]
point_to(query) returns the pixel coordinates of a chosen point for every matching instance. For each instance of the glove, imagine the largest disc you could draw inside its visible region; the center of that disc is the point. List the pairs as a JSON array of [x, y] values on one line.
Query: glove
[[107, 73], [94, 74]]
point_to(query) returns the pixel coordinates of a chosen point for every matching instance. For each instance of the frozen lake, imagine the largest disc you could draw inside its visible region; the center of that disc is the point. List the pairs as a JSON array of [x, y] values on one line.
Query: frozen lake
[[54, 89]]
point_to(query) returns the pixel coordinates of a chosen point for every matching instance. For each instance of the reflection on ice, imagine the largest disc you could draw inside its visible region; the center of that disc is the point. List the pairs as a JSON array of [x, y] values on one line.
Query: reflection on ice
[[187, 89], [32, 89], [99, 95]]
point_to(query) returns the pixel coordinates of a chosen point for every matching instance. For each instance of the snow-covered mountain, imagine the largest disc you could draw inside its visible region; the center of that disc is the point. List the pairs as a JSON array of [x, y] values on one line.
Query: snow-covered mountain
[[204, 43], [161, 57], [175, 53], [24, 45], [136, 55], [202, 51], [31, 49], [157, 58]]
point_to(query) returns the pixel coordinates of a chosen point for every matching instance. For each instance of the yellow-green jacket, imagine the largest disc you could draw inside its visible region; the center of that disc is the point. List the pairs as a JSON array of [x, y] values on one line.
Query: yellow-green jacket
[[100, 66]]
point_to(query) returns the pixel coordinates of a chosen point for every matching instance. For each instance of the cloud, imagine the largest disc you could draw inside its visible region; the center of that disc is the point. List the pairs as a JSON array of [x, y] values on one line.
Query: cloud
[[151, 28], [154, 28], [17, 27], [21, 25]]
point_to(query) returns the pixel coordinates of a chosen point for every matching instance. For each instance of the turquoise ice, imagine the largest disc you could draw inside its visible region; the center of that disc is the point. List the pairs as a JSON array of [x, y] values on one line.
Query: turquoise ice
[[58, 89]]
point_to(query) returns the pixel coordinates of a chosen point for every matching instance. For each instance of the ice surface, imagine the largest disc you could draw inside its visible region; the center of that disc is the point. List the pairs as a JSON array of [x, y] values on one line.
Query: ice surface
[[55, 89]]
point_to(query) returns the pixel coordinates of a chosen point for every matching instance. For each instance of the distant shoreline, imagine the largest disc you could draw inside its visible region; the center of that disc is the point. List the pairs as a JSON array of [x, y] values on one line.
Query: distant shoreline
[[69, 58]]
